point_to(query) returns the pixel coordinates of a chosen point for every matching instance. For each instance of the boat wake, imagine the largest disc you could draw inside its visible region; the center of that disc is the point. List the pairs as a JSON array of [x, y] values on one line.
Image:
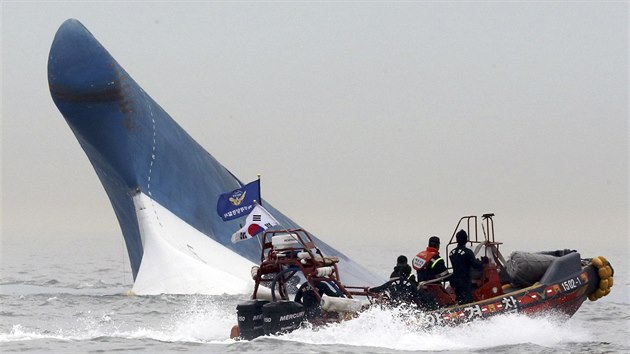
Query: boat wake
[[203, 320], [388, 328]]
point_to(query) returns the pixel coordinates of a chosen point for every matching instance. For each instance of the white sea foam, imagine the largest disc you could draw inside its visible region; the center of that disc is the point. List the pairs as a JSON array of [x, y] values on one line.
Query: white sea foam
[[19, 333], [197, 319], [391, 329], [207, 320], [202, 320]]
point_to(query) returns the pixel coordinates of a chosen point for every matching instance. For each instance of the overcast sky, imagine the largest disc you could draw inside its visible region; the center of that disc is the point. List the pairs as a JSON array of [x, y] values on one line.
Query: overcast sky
[[369, 121]]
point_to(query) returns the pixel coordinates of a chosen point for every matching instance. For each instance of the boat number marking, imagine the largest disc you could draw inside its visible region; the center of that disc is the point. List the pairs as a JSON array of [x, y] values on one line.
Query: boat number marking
[[571, 284]]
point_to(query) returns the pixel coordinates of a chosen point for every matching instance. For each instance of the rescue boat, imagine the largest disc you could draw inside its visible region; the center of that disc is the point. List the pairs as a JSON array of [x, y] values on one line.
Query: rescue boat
[[551, 282]]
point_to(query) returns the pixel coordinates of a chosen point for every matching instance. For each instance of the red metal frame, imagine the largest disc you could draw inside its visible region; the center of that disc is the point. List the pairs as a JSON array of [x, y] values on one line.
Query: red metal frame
[[489, 284], [286, 260]]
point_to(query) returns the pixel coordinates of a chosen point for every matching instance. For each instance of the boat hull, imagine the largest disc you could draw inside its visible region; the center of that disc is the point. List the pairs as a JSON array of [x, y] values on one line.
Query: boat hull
[[563, 297], [136, 148], [559, 293]]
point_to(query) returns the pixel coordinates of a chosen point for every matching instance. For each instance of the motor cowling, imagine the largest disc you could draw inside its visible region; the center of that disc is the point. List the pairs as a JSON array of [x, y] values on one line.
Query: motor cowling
[[282, 316], [250, 318]]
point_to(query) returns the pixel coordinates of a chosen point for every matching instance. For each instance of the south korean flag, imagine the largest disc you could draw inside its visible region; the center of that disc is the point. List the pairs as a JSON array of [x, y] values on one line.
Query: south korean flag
[[257, 221]]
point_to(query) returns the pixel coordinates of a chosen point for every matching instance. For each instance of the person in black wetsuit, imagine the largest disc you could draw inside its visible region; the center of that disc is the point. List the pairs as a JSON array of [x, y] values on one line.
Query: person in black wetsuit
[[463, 261], [307, 297], [401, 286], [402, 269]]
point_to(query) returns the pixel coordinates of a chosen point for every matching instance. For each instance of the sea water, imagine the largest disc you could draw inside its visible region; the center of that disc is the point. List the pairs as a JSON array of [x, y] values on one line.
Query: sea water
[[67, 299]]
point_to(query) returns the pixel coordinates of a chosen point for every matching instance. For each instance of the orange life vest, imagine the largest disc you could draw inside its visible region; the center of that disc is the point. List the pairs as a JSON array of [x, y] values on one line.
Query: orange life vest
[[423, 258]]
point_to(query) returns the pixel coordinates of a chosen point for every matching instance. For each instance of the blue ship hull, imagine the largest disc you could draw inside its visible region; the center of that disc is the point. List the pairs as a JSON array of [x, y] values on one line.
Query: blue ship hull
[[136, 148]]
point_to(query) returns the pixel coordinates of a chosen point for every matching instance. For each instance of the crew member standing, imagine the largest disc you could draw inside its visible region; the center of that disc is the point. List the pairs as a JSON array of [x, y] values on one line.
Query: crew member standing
[[428, 263], [463, 261]]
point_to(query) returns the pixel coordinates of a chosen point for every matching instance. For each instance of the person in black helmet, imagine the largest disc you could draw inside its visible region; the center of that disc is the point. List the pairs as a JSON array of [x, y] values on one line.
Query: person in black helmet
[[463, 262]]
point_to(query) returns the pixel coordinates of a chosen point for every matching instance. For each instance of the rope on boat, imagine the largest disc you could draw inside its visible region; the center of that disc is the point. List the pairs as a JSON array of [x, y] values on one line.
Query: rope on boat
[[605, 272]]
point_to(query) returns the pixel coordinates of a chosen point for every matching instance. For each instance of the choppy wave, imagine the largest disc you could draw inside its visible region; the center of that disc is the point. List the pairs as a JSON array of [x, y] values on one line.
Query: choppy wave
[[206, 320], [63, 309], [389, 329]]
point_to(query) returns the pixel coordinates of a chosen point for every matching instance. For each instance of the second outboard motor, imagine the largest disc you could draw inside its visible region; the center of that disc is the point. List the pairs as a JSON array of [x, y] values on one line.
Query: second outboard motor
[[250, 318], [282, 316]]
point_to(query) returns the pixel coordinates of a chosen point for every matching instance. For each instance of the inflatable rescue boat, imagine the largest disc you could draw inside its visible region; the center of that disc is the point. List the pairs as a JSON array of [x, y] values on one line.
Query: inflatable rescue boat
[[551, 282]]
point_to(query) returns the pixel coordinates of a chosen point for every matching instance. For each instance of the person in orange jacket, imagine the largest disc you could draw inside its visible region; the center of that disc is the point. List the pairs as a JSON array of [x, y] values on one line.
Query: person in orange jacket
[[428, 263]]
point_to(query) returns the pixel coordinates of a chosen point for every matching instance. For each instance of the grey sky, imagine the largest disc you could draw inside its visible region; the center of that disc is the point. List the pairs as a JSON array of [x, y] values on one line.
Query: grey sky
[[367, 120]]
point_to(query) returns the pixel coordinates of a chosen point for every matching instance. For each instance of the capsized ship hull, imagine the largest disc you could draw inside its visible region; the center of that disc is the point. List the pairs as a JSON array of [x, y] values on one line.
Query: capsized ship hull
[[162, 184]]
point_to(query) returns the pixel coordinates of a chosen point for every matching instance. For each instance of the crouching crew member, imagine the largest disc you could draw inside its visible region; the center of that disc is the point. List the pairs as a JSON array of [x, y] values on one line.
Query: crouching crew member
[[311, 301]]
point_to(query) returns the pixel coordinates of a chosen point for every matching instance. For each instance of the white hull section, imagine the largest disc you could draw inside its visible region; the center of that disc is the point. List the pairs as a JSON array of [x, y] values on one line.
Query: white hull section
[[178, 259]]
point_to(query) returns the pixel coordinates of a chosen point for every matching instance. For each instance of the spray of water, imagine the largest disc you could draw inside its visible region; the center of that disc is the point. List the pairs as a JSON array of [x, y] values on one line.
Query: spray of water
[[391, 329], [193, 319], [202, 319]]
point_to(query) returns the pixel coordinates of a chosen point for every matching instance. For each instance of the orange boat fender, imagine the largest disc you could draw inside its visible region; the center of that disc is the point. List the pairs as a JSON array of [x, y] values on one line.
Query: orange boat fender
[[605, 273], [599, 293]]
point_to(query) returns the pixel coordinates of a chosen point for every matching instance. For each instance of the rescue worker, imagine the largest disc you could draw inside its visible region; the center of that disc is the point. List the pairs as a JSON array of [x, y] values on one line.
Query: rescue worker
[[428, 263], [401, 286], [402, 271], [402, 268], [307, 297], [463, 262]]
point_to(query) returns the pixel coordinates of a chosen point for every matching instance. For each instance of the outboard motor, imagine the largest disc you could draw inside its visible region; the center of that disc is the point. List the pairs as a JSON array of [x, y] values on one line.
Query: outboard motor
[[250, 318], [282, 316]]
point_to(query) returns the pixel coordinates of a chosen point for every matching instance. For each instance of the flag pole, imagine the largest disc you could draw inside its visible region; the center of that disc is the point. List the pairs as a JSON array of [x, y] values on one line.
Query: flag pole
[[261, 203], [259, 190]]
